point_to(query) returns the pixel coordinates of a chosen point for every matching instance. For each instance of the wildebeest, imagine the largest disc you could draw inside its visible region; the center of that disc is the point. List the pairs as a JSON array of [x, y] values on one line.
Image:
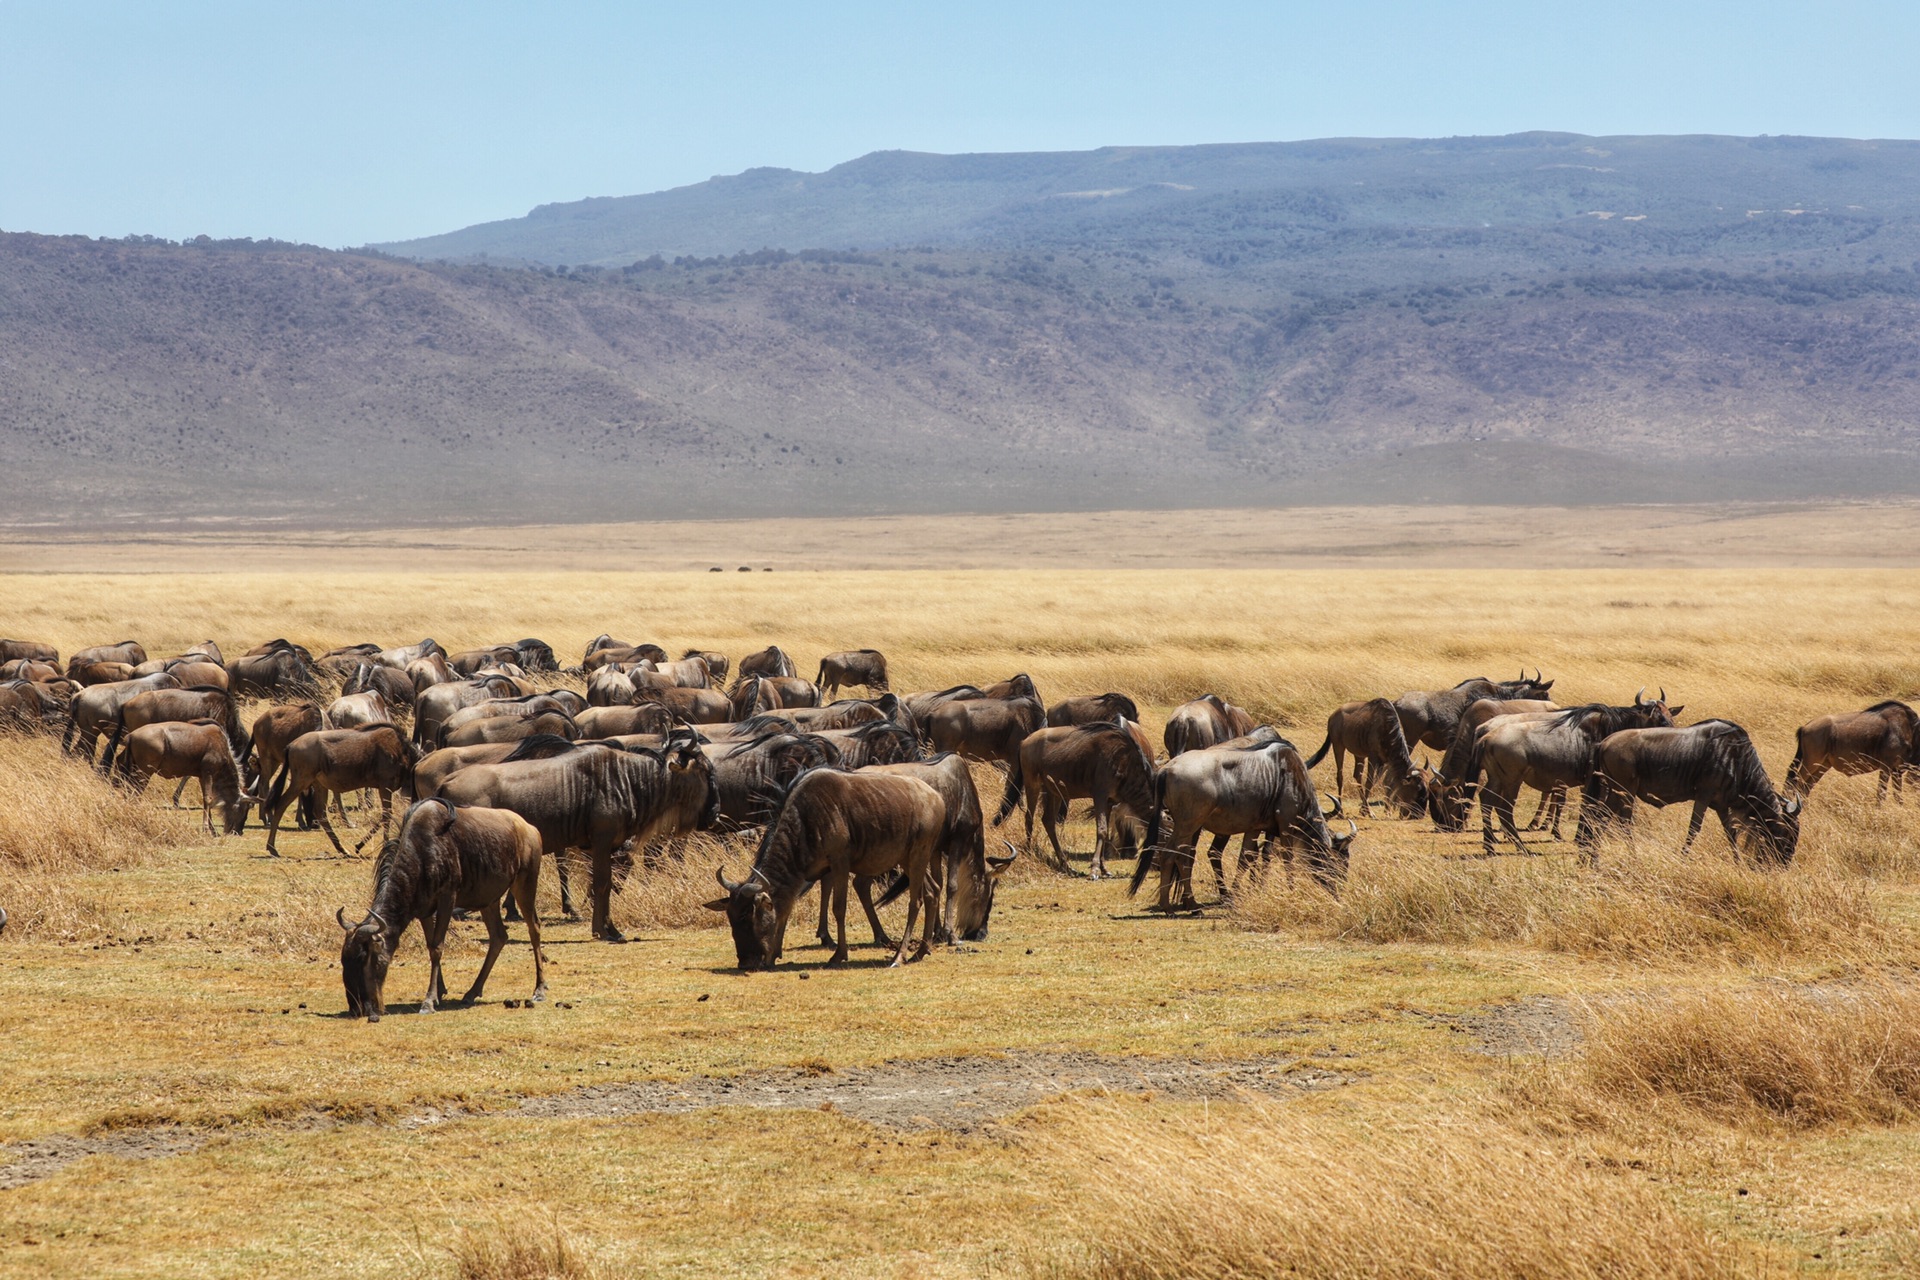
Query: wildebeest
[[597, 797], [1883, 739], [29, 669], [391, 683], [1430, 716], [1100, 762], [695, 706], [28, 705], [1256, 788], [435, 767], [434, 705], [752, 695], [159, 706], [444, 859], [38, 652], [609, 722], [278, 669], [191, 749], [770, 661], [848, 713], [609, 687], [1371, 732], [341, 662], [615, 654], [333, 762], [986, 729], [96, 710], [834, 826], [511, 729], [352, 710], [751, 777], [428, 671], [879, 742], [1092, 707], [528, 654], [717, 663], [1449, 791], [190, 671], [852, 666], [969, 877], [1549, 754], [131, 652], [88, 674], [1712, 764], [1206, 721], [523, 707]]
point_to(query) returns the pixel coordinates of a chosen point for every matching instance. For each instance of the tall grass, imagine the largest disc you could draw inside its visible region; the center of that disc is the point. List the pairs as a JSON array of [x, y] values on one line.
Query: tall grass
[[521, 1251], [1272, 1192]]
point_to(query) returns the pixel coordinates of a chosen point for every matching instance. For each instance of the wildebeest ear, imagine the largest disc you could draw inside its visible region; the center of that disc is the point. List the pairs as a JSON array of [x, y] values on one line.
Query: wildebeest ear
[[1674, 711], [718, 904]]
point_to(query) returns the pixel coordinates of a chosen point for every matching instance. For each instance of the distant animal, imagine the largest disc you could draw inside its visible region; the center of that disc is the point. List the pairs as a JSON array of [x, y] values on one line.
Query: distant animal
[[770, 661], [1370, 731], [1206, 721], [279, 670], [33, 649], [852, 666], [444, 859], [1713, 765], [1883, 739]]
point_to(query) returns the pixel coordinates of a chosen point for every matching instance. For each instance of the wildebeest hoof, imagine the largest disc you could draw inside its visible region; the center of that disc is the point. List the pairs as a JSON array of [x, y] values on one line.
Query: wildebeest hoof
[[834, 963], [611, 934]]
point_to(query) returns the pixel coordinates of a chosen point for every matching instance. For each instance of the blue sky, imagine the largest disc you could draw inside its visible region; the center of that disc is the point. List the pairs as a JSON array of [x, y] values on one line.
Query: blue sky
[[344, 123]]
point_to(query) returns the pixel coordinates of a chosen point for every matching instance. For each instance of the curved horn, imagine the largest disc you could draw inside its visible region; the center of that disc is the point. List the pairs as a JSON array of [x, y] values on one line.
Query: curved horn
[[1336, 811], [340, 914], [1663, 693], [1353, 828], [720, 874], [1640, 698], [375, 917], [1794, 806]]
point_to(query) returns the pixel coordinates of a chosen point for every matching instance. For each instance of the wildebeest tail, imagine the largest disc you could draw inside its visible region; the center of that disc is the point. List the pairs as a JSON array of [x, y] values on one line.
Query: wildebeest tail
[[1321, 754], [1150, 846], [272, 803], [1010, 799]]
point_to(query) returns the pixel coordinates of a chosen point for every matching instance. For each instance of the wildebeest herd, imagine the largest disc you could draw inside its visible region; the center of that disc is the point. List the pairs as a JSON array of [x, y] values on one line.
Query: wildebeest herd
[[508, 759]]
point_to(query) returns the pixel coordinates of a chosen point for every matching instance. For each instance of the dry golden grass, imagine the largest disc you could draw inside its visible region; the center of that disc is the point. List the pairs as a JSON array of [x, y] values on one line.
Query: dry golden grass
[[521, 1251], [1271, 1191]]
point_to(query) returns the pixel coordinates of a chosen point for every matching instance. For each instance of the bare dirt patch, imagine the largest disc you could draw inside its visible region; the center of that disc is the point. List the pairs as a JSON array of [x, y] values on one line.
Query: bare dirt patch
[[39, 1158]]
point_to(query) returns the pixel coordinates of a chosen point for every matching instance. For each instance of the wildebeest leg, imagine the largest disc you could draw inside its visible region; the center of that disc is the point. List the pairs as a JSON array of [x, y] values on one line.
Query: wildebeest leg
[[1693, 827], [863, 885], [1102, 836], [435, 927], [1540, 815], [340, 808], [1493, 800], [603, 926], [838, 879], [525, 891], [1050, 818], [825, 932], [1559, 797], [496, 942], [206, 800], [566, 892], [916, 895], [1363, 777], [386, 817], [1339, 772], [1880, 797], [1216, 858], [328, 828], [182, 790]]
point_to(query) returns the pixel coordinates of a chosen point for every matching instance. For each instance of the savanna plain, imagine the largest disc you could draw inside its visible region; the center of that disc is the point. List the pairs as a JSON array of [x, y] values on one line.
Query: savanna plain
[[1459, 1066]]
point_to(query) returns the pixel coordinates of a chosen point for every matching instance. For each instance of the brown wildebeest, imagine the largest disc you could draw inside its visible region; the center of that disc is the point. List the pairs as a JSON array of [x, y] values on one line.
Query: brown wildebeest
[[989, 730], [1883, 739], [832, 827], [608, 722], [159, 706], [35, 705], [1100, 762], [352, 710], [1259, 788], [1207, 721], [198, 671], [391, 683], [688, 673], [752, 777], [428, 671], [434, 705], [29, 669], [278, 669], [1449, 790], [345, 660], [609, 687], [753, 695], [1712, 764], [717, 663], [528, 654], [1093, 708], [623, 655], [272, 731], [597, 797], [511, 729], [334, 762], [526, 707], [1549, 753], [881, 742], [970, 877], [695, 706], [445, 859], [33, 649], [406, 655], [96, 710], [437, 766], [852, 666], [88, 674], [131, 652], [770, 661], [1370, 731], [1430, 716], [848, 713], [191, 749]]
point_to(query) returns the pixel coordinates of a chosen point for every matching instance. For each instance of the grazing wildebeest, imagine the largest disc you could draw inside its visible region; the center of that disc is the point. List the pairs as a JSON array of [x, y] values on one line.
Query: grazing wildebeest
[[429, 671], [623, 655], [1549, 754], [1883, 739], [524, 707], [30, 669], [754, 694], [159, 706], [433, 705], [1449, 791], [191, 671], [1430, 716], [1712, 764], [437, 766], [695, 706], [609, 687], [970, 876], [131, 652], [342, 662], [87, 674], [752, 777], [391, 683], [608, 722], [770, 661], [191, 749], [96, 710], [278, 669], [717, 663], [597, 797], [12, 649], [333, 762], [880, 742], [528, 655], [1207, 721], [1257, 788], [1091, 708], [22, 706], [989, 730], [273, 729], [834, 826], [1101, 762], [445, 859], [511, 729], [688, 673], [852, 666], [1371, 732], [848, 713]]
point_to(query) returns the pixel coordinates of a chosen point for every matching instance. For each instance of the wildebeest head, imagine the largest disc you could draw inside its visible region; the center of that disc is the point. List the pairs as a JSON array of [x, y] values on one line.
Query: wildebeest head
[[364, 959], [1655, 713], [1330, 853], [752, 917], [1778, 832], [971, 905]]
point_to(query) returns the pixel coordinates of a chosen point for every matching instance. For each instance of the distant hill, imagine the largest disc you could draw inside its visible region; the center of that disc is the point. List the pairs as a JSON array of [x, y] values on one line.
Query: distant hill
[[1379, 322]]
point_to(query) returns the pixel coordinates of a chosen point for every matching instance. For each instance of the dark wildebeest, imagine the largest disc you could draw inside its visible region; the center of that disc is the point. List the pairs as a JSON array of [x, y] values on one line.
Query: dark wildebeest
[[511, 729], [96, 710], [988, 729], [1883, 739], [12, 649], [1371, 732], [434, 705], [970, 877], [1449, 791], [1430, 716], [528, 655], [24, 705], [1093, 708], [342, 662], [881, 742], [436, 767], [852, 666], [609, 722], [1549, 754], [333, 762], [752, 777], [1258, 788], [278, 669], [1101, 762], [131, 652], [191, 749], [444, 859], [391, 683], [1712, 764], [848, 713], [755, 694], [695, 706], [717, 663], [832, 827], [597, 797], [1207, 721], [770, 661]]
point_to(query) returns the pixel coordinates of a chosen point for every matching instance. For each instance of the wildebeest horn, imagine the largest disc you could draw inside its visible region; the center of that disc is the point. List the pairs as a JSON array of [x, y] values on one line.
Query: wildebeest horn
[[340, 914], [1794, 806], [720, 874], [1663, 693], [1353, 828], [1336, 811]]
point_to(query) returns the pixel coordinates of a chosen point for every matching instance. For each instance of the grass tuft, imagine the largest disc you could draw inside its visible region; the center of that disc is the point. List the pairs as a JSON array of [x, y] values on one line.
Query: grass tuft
[[506, 1253]]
